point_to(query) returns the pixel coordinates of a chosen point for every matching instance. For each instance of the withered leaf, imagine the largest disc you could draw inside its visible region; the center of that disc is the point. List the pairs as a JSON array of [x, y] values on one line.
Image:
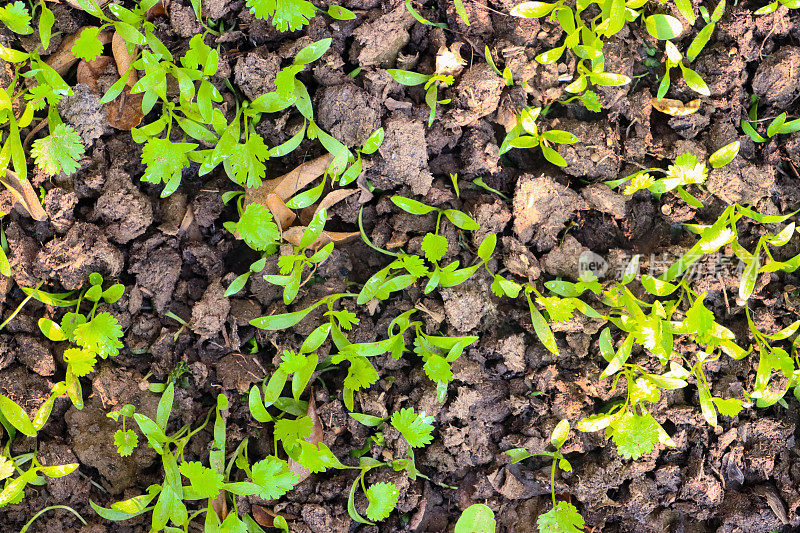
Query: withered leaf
[[282, 214], [125, 111], [291, 182], [123, 59], [331, 199], [294, 234], [23, 191], [676, 108], [315, 438]]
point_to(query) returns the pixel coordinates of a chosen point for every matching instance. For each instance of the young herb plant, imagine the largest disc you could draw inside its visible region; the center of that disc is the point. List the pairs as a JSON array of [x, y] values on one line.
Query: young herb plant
[[564, 516], [92, 335]]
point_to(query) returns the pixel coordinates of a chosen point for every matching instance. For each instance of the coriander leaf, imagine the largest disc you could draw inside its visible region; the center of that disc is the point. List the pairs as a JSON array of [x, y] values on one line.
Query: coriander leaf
[[88, 45], [685, 171], [69, 322], [205, 482], [345, 318], [639, 181], [6, 467], [414, 265], [17, 18], [100, 335], [257, 228], [434, 247], [165, 159], [361, 374], [316, 458], [415, 428], [80, 361], [274, 478], [559, 309], [59, 151], [438, 369], [286, 14], [290, 431], [295, 362], [247, 161], [634, 435], [382, 498], [125, 441], [563, 518], [729, 406]]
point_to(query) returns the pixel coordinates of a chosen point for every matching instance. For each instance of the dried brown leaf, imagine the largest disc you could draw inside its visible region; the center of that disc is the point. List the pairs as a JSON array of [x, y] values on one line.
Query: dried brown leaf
[[24, 193], [331, 199], [89, 71], [283, 215], [158, 10], [264, 517], [449, 61], [119, 48], [125, 111], [291, 182], [315, 438], [676, 108], [295, 233]]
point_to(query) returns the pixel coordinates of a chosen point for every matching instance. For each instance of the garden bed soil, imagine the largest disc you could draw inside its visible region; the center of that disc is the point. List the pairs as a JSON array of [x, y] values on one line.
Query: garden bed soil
[[173, 255]]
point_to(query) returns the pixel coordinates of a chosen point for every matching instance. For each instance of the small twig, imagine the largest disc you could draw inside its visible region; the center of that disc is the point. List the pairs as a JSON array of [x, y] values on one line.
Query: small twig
[[34, 131]]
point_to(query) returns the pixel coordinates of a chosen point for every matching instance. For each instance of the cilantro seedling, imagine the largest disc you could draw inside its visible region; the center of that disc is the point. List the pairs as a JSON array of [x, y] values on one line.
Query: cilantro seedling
[[434, 248], [36, 474], [686, 171], [125, 439], [692, 78], [431, 83], [292, 266], [584, 40], [526, 134], [777, 125], [92, 335], [270, 478], [564, 516]]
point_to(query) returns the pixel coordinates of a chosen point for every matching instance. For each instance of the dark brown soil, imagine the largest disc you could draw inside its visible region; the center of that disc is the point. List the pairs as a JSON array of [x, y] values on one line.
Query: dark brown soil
[[173, 255]]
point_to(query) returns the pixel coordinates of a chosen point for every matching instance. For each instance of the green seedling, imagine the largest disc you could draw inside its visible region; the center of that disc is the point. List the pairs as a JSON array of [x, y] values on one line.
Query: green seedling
[[506, 73], [526, 134], [584, 39], [269, 478], [564, 516], [14, 487], [772, 6], [777, 126], [125, 439], [292, 15], [293, 266], [675, 311], [692, 78], [432, 83], [14, 418], [92, 335], [434, 248], [382, 497], [686, 171], [483, 185], [477, 518], [36, 87], [701, 39]]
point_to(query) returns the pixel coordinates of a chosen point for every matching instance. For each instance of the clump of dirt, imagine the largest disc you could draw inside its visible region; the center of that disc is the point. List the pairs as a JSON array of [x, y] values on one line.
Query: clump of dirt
[[542, 206], [404, 158]]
